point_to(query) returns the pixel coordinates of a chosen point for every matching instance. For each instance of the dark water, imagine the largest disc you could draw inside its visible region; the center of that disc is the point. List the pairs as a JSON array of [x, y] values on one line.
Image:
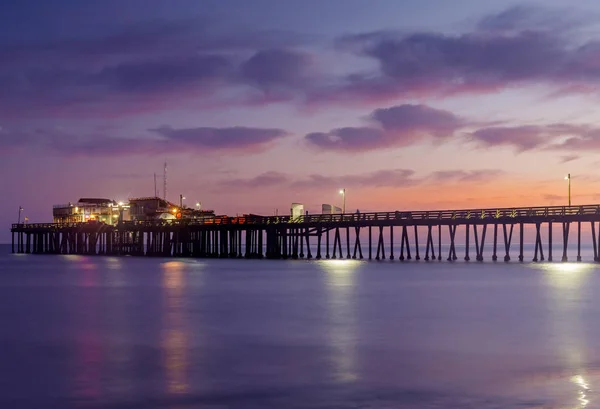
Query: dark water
[[99, 332]]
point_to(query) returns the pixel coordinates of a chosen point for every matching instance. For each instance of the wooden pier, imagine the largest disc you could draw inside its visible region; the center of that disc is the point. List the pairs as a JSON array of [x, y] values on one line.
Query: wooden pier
[[365, 235]]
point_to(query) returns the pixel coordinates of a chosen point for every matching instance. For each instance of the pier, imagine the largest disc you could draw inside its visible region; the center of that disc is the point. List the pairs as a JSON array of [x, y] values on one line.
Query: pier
[[493, 234]]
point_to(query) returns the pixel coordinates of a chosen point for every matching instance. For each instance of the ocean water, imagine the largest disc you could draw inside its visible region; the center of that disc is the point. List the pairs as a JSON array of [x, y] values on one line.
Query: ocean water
[[120, 333]]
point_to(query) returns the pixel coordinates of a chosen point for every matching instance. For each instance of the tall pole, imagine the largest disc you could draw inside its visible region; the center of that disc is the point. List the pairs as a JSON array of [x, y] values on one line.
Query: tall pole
[[343, 193], [569, 176], [165, 182], [19, 219]]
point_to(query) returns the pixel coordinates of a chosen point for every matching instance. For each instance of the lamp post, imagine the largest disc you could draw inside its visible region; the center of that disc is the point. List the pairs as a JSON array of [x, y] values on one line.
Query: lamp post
[[568, 177], [343, 193], [19, 219], [198, 205]]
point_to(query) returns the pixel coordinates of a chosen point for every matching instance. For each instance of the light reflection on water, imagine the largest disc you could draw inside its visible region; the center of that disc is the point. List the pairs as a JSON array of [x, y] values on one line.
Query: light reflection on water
[[89, 352], [584, 388], [175, 338], [566, 281], [340, 281], [113, 263]]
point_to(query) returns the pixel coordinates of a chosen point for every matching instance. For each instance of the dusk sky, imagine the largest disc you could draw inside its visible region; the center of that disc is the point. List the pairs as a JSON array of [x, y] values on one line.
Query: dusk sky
[[257, 104]]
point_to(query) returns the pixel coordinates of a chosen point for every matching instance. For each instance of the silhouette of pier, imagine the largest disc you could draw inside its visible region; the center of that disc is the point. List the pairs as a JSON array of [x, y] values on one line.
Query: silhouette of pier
[[422, 235]]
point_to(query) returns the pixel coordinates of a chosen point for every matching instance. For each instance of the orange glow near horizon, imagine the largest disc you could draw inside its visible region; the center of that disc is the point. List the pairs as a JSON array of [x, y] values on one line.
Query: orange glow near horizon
[[471, 195]]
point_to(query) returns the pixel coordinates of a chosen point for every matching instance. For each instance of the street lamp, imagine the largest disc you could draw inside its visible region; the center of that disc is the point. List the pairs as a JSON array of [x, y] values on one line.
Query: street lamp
[[198, 205], [19, 219], [343, 193], [568, 177]]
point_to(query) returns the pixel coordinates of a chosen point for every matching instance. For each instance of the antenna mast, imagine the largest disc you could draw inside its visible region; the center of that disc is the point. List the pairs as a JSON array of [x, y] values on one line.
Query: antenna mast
[[165, 182]]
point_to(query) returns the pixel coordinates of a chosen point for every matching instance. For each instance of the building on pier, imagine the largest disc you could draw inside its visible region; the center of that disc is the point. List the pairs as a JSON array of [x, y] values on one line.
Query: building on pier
[[89, 209], [330, 209], [110, 212], [156, 208]]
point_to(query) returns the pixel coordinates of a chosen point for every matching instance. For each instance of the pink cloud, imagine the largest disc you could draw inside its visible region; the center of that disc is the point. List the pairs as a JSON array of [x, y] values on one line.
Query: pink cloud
[[395, 126]]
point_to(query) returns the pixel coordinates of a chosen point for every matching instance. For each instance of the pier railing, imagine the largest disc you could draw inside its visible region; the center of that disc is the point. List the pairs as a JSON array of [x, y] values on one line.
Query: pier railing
[[398, 215]]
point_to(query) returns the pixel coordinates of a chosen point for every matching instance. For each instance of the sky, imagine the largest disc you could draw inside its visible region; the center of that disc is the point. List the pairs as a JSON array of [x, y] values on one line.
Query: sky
[[254, 105]]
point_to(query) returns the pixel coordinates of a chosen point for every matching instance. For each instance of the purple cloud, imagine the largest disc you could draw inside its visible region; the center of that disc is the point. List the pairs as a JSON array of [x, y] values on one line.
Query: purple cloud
[[522, 18], [397, 178], [151, 66], [235, 138], [520, 46], [417, 118], [267, 179], [569, 158], [173, 75], [380, 178], [395, 126], [466, 176], [523, 138], [204, 139], [584, 142], [561, 137], [430, 63], [277, 70], [148, 40], [407, 124], [146, 67], [350, 139]]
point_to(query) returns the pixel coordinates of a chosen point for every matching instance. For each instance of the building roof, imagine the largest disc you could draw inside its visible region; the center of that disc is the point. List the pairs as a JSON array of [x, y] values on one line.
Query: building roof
[[94, 200], [164, 203]]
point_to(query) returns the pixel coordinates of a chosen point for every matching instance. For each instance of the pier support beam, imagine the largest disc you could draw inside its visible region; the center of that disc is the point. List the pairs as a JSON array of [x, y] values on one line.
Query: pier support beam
[[391, 242], [319, 237], [566, 227], [467, 258], [429, 244], [578, 241], [357, 245], [327, 244], [550, 241], [538, 243], [347, 242], [370, 245], [494, 254], [479, 246], [417, 257], [439, 242], [594, 242], [380, 245], [404, 242], [521, 232], [452, 252], [507, 241]]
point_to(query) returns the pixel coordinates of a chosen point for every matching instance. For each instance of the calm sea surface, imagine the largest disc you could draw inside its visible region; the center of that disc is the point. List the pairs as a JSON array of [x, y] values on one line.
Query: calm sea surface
[[119, 333]]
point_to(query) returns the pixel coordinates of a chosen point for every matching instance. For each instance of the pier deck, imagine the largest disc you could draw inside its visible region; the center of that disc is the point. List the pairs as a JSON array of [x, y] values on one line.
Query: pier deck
[[282, 237]]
